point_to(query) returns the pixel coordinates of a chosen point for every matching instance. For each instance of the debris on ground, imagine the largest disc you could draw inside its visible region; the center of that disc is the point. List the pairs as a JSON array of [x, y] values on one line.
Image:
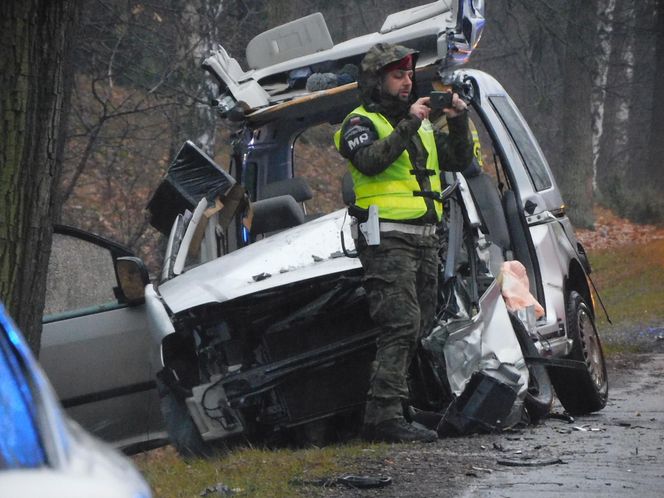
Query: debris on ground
[[350, 481], [219, 489], [527, 462], [586, 428], [562, 416]]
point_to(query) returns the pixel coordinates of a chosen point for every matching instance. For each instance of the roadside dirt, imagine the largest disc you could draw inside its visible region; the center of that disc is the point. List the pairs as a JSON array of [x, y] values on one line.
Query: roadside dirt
[[617, 451]]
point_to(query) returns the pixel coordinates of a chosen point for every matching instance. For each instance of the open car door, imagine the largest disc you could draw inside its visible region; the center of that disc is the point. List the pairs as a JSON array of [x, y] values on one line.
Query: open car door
[[95, 344]]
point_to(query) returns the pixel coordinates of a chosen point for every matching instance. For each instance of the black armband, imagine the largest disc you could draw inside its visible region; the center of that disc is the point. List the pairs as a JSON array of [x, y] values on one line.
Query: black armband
[[358, 132]]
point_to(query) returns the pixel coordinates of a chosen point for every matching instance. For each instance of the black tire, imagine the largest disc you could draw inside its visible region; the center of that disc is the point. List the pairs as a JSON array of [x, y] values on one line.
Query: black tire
[[182, 431], [586, 390], [539, 397]]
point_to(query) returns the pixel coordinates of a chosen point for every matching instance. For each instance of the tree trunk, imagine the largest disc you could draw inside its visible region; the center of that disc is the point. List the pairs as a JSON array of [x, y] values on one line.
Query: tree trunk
[[605, 10], [576, 166], [655, 163], [201, 22], [629, 177], [613, 154], [33, 92], [657, 126]]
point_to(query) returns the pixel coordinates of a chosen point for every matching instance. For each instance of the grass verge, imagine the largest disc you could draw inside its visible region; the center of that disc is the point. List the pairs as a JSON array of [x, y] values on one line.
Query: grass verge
[[252, 472], [630, 280]]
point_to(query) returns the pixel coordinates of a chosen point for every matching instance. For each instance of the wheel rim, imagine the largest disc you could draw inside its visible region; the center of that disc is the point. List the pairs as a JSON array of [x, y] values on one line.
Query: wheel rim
[[592, 350]]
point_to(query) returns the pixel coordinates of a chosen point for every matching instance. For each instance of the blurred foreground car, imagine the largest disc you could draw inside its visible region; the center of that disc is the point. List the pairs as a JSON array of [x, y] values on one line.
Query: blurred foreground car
[[42, 452]]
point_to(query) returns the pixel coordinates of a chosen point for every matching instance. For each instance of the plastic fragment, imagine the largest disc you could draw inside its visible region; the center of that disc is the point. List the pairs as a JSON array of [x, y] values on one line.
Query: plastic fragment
[[529, 463], [562, 416], [364, 482], [219, 489]]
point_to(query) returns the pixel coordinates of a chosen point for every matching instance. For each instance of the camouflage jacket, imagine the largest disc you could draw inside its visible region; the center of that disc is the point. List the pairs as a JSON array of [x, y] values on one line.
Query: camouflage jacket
[[374, 155]]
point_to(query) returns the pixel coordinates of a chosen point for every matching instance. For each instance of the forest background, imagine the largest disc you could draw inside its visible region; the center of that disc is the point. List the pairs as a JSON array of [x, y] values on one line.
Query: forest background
[[587, 74]]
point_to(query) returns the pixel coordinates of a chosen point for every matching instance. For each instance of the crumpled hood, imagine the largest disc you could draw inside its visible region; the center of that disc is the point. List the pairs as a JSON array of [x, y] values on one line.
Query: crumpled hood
[[300, 253]]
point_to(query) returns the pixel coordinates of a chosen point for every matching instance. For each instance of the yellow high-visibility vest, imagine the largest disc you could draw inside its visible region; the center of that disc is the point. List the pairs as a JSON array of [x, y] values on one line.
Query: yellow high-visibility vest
[[392, 190]]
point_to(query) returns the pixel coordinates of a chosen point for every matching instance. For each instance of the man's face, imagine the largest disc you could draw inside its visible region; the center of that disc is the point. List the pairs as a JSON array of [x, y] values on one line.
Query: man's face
[[398, 83]]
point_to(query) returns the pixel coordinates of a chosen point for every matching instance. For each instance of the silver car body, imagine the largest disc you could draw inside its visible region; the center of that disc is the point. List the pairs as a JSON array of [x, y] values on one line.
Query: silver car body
[[196, 274], [312, 250]]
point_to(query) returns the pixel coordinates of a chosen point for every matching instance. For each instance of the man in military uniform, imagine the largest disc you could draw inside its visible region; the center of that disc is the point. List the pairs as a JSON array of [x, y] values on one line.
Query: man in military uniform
[[394, 156]]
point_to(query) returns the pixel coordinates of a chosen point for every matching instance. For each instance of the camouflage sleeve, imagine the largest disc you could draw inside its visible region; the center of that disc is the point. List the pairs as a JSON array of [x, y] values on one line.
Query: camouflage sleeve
[[455, 149], [369, 154]]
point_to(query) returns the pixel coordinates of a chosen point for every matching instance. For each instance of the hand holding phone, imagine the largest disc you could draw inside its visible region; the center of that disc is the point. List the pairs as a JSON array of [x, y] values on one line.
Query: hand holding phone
[[440, 100]]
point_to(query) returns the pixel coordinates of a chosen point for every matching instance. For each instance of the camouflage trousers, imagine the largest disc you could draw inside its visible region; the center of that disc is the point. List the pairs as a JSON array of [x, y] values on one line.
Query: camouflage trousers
[[400, 278]]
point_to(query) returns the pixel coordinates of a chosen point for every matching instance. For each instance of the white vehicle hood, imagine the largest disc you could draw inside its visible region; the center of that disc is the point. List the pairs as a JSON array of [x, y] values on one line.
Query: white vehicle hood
[[307, 251]]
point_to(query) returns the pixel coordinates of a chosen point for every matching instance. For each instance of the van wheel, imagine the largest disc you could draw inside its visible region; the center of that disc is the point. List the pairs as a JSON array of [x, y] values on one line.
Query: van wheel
[[585, 390], [539, 396], [182, 431]]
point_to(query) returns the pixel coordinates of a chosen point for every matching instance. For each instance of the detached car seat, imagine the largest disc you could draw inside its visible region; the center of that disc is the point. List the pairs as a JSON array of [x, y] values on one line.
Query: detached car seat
[[281, 206]]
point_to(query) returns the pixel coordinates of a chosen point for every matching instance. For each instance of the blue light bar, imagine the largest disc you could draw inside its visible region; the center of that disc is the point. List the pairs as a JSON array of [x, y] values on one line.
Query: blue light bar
[[20, 444]]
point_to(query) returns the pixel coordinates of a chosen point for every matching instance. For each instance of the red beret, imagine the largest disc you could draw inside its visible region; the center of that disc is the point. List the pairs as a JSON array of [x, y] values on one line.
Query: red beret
[[405, 64]]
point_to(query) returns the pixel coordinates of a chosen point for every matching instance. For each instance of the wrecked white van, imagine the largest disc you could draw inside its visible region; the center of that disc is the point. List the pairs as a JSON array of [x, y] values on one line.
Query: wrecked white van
[[259, 323]]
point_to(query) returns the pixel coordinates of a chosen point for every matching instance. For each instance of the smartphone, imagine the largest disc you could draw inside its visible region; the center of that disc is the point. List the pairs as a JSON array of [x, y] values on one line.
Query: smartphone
[[440, 100]]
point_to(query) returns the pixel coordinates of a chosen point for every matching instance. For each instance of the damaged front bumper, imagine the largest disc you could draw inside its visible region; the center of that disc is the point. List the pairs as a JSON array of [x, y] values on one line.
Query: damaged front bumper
[[273, 360], [217, 407]]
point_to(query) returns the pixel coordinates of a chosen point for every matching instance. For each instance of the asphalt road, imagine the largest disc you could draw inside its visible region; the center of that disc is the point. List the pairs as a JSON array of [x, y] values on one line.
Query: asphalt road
[[618, 451]]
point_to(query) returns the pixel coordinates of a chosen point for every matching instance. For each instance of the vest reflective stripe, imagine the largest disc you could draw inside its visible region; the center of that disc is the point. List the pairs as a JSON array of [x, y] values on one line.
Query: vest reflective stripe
[[389, 187], [477, 150], [392, 190]]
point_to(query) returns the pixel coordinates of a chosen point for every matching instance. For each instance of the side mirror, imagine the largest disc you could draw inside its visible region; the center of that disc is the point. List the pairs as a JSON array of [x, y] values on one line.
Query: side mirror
[[133, 277]]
